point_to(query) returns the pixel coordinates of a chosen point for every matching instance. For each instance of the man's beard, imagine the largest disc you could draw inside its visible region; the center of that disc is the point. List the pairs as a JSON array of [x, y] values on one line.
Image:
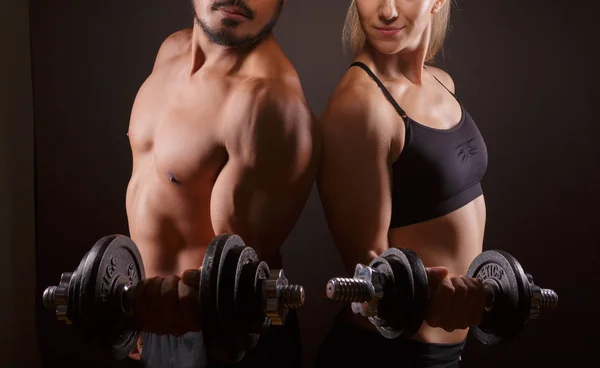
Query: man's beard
[[226, 38]]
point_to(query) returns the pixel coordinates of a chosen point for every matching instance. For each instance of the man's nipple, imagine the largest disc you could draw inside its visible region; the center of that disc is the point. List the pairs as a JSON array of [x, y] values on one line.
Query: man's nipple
[[172, 178]]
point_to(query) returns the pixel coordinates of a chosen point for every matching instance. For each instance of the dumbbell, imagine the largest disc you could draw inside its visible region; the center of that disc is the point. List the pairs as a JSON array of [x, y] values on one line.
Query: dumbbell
[[239, 294], [395, 288]]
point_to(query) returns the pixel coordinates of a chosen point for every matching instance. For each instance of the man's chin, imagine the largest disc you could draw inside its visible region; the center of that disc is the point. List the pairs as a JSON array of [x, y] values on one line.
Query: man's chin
[[230, 35], [227, 39]]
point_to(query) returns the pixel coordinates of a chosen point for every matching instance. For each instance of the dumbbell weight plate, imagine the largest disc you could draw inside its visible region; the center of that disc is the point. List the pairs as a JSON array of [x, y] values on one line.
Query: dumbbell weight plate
[[402, 310], [394, 268], [217, 296], [417, 308], [249, 303], [227, 277], [382, 266], [511, 306], [242, 296], [232, 329], [208, 290], [94, 303]]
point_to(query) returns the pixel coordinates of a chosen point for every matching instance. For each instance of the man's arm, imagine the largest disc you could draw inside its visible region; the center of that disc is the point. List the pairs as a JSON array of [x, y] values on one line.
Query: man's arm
[[354, 178], [273, 157]]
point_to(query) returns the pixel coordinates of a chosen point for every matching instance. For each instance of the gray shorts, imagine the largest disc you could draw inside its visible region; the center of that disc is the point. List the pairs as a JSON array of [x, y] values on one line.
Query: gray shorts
[[279, 346], [349, 346]]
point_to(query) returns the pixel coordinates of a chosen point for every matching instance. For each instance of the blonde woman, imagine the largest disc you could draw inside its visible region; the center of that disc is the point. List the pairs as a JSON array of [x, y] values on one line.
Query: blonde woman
[[402, 166]]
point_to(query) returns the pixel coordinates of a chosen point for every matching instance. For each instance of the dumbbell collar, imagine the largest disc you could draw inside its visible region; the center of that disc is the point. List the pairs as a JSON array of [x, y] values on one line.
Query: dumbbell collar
[[279, 297], [55, 297], [273, 308], [374, 283], [538, 296]]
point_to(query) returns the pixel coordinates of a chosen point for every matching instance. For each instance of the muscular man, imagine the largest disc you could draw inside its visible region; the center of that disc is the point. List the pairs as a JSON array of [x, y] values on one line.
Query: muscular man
[[223, 141]]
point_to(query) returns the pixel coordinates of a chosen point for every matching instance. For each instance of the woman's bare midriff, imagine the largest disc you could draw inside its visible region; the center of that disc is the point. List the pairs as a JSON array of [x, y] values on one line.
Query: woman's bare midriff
[[452, 241]]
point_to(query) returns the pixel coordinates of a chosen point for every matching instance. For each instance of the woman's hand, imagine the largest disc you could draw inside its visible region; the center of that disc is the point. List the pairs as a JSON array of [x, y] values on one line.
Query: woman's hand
[[456, 302]]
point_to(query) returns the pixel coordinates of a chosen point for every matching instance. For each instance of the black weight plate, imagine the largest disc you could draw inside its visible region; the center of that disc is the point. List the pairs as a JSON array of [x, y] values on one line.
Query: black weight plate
[[400, 316], [232, 332], [217, 292], [262, 273], [248, 297], [209, 318], [241, 331], [227, 278], [248, 302], [73, 297], [385, 271], [511, 306], [245, 278], [113, 261], [417, 309]]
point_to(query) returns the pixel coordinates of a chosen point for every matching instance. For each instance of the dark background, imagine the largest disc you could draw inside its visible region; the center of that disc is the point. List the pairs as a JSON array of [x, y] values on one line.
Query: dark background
[[17, 221], [524, 70]]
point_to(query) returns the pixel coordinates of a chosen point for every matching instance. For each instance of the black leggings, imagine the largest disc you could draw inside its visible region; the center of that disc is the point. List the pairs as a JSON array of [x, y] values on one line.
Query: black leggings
[[348, 345], [279, 346]]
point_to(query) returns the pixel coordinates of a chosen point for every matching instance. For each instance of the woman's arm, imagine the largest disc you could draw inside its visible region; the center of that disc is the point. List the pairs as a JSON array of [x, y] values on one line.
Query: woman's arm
[[354, 180]]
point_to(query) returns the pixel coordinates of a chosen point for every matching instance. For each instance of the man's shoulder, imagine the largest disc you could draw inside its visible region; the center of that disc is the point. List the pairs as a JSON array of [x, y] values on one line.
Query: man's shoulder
[[272, 75], [281, 95], [268, 110], [174, 45], [277, 121]]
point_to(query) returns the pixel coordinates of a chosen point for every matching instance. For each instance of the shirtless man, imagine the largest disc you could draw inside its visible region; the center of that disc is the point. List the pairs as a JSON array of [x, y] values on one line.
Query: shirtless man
[[223, 141]]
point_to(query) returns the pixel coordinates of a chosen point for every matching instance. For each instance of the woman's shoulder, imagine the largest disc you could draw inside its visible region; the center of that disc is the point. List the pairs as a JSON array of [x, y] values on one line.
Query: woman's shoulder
[[353, 97], [355, 109], [442, 76]]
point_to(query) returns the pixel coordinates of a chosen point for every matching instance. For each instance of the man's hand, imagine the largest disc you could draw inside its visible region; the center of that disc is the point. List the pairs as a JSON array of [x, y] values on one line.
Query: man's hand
[[168, 305], [456, 302], [136, 353]]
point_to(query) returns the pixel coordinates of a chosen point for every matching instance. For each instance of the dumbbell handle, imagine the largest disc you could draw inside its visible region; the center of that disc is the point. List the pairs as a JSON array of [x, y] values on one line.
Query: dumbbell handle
[[278, 297], [359, 291], [127, 300], [491, 291]]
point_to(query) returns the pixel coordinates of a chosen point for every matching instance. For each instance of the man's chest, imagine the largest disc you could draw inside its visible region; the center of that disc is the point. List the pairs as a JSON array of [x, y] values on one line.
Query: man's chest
[[180, 129]]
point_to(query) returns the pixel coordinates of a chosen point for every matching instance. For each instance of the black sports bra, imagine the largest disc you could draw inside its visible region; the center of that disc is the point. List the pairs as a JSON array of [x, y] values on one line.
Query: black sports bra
[[438, 171]]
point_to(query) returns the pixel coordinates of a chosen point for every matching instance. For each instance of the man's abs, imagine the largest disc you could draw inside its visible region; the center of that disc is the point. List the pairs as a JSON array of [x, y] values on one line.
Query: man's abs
[[171, 229]]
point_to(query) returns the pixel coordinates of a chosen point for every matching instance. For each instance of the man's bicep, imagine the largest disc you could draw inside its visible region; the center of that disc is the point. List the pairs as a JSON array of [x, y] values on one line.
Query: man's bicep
[[263, 188], [259, 205]]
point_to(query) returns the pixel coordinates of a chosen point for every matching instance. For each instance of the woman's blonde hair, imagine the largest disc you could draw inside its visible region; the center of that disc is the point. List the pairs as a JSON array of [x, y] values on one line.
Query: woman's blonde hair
[[354, 37]]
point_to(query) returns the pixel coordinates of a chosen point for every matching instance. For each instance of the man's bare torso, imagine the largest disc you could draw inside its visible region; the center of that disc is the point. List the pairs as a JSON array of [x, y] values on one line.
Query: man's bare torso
[[182, 127]]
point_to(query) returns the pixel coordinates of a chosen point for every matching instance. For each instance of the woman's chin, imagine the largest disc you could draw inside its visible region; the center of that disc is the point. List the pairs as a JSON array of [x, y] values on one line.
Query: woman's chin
[[386, 47]]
